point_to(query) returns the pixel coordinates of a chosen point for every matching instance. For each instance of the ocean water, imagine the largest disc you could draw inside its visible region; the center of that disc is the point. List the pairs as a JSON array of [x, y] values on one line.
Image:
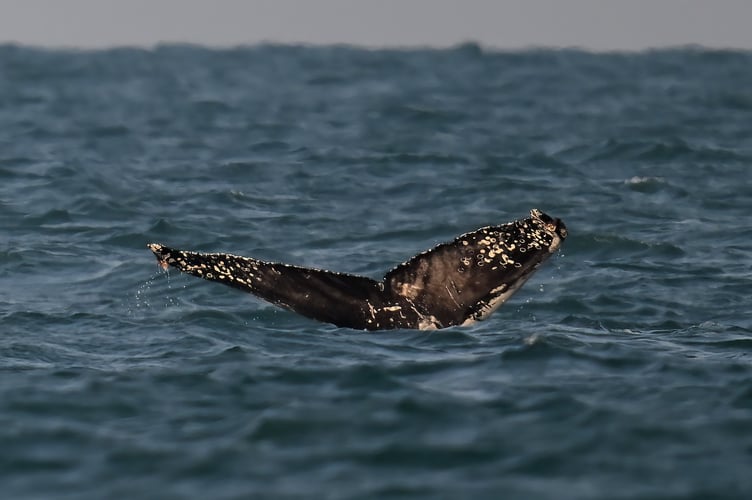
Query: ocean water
[[622, 370]]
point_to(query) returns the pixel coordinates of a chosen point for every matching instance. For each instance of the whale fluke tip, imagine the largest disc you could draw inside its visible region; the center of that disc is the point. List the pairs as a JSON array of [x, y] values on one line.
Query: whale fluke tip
[[160, 253]]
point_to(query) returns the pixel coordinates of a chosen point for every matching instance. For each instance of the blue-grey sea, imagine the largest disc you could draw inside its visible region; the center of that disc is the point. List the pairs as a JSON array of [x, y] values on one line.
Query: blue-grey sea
[[621, 370]]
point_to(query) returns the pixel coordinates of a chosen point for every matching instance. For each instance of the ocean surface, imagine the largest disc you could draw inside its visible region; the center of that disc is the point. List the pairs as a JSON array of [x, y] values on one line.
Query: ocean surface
[[622, 370]]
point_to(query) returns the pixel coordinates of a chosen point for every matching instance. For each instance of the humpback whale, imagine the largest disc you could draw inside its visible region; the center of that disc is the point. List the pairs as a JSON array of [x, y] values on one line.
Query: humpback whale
[[455, 283]]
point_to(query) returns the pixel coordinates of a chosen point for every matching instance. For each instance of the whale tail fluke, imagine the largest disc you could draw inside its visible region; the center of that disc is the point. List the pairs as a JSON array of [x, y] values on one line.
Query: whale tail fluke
[[454, 283]]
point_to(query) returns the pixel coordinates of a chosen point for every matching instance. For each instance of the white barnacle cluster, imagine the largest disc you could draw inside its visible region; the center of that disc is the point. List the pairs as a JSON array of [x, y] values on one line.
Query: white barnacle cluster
[[532, 236], [199, 269], [493, 247], [240, 270], [220, 267], [500, 247]]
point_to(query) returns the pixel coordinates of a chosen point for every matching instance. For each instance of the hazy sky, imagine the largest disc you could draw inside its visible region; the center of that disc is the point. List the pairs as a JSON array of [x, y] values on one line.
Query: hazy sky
[[592, 24]]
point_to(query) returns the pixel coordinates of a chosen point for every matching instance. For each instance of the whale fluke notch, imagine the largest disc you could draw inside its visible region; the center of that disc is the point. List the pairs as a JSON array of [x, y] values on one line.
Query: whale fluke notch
[[454, 283]]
